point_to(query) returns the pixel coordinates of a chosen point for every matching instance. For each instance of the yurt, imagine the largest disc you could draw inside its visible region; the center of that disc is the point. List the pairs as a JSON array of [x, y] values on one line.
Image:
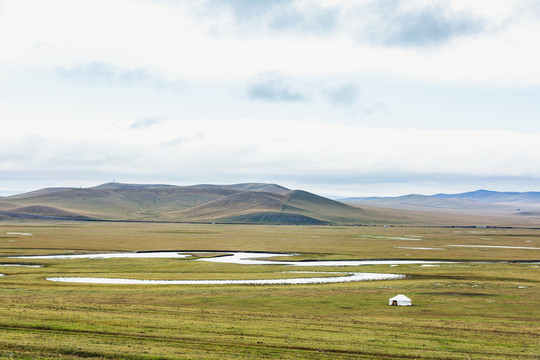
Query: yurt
[[400, 300]]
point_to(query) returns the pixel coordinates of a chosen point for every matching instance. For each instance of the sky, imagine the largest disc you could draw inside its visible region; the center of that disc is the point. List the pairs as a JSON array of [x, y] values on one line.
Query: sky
[[341, 98]]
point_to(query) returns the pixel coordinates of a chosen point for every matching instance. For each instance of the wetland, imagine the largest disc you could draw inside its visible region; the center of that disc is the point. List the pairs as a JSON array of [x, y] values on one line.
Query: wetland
[[483, 309]]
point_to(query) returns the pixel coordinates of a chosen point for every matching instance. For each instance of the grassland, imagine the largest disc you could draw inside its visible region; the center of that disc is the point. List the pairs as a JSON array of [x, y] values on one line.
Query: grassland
[[461, 311]]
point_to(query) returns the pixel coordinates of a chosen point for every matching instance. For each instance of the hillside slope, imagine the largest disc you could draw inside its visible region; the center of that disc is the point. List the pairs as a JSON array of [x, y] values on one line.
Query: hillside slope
[[238, 203], [256, 203]]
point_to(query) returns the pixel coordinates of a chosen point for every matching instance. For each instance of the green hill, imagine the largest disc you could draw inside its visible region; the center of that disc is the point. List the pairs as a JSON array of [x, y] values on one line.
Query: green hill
[[238, 203], [249, 203], [323, 208]]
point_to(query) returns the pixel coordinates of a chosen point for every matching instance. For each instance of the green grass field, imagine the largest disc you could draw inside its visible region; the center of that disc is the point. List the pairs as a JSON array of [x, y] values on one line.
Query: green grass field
[[460, 311]]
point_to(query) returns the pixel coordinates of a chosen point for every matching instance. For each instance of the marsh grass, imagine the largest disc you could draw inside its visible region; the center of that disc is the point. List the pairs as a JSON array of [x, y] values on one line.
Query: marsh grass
[[460, 311]]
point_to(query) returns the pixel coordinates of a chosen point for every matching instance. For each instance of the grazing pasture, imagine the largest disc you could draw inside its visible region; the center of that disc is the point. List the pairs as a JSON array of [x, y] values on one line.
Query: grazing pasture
[[474, 308]]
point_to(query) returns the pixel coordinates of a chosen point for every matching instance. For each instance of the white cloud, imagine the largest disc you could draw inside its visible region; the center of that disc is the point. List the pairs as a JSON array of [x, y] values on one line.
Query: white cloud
[[273, 86], [83, 80], [202, 150], [170, 38]]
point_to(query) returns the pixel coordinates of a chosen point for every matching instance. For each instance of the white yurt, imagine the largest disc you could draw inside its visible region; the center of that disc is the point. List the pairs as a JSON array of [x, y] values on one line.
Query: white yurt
[[400, 300]]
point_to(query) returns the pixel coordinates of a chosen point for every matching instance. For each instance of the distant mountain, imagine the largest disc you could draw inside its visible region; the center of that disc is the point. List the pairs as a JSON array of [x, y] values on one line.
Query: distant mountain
[[238, 203], [476, 201], [495, 197], [261, 203]]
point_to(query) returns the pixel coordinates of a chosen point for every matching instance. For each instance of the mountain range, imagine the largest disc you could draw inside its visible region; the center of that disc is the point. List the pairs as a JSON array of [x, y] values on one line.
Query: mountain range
[[261, 203], [480, 201]]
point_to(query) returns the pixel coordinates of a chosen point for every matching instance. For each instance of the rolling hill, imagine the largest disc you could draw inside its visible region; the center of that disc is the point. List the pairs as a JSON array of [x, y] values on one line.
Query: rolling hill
[[239, 203], [260, 203]]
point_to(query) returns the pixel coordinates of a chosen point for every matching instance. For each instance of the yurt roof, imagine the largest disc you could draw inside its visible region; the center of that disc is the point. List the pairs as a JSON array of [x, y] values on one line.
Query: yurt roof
[[400, 297]]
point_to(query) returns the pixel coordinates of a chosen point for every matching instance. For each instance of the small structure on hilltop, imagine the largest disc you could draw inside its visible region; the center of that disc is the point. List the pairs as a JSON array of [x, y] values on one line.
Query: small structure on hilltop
[[400, 300]]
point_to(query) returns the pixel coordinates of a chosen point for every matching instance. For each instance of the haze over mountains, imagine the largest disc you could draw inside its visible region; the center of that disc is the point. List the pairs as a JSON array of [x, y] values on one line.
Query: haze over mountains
[[480, 201], [261, 203]]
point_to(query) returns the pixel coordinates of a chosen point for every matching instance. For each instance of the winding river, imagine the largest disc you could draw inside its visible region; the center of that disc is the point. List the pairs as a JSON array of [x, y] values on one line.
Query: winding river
[[343, 277], [245, 258], [233, 257]]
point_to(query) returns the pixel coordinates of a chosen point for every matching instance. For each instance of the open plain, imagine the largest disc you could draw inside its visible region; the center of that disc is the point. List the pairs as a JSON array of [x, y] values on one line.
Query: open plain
[[483, 306], [255, 179]]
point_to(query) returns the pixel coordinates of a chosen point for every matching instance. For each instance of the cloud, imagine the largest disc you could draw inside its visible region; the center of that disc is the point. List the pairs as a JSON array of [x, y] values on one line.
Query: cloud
[[527, 8], [196, 151], [437, 64], [394, 24], [274, 16], [273, 86], [375, 107], [244, 10], [387, 22], [344, 95], [313, 20], [146, 122], [99, 72], [237, 39]]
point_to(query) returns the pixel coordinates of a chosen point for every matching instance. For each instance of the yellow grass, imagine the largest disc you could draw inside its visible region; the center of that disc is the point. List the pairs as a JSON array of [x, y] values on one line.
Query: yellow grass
[[460, 311]]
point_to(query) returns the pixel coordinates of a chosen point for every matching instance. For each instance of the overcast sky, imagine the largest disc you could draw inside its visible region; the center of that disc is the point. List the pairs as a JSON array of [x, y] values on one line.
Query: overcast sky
[[342, 98]]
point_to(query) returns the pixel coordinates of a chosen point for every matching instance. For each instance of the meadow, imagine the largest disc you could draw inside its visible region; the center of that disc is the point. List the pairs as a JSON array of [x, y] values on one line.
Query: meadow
[[472, 309]]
